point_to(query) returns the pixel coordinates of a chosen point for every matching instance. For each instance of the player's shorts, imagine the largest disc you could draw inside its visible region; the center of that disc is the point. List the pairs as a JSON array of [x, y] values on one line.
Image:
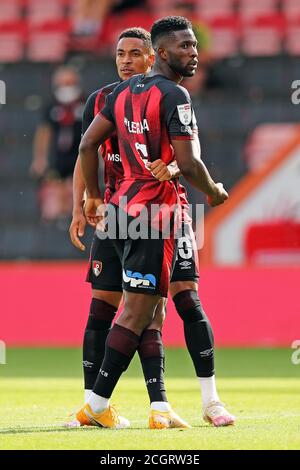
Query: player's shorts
[[147, 263], [105, 268], [186, 264]]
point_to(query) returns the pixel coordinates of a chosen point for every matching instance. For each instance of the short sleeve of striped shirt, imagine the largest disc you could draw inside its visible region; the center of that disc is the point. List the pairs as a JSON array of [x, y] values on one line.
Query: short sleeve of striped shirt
[[179, 115]]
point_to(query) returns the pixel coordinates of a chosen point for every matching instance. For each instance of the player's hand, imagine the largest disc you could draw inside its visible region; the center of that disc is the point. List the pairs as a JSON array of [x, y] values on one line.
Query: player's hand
[[160, 170], [77, 229], [94, 211], [219, 196]]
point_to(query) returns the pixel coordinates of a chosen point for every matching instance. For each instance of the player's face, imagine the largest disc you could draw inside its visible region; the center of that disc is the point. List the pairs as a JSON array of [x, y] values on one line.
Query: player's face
[[133, 57], [181, 53]]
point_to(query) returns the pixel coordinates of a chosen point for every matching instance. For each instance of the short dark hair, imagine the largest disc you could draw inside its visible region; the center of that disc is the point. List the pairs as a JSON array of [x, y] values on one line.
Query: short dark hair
[[139, 33], [166, 26]]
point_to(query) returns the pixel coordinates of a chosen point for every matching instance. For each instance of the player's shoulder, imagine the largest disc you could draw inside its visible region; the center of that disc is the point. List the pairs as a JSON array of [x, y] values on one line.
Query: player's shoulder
[[103, 91], [169, 86], [124, 84], [107, 89]]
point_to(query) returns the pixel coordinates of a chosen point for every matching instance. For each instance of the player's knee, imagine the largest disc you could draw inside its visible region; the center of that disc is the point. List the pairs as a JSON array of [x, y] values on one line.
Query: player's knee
[[160, 315], [139, 311], [179, 286], [151, 344], [189, 307], [101, 315], [135, 320]]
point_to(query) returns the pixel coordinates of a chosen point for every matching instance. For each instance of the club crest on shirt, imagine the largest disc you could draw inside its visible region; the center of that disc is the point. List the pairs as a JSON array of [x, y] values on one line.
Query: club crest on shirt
[[185, 113], [97, 267]]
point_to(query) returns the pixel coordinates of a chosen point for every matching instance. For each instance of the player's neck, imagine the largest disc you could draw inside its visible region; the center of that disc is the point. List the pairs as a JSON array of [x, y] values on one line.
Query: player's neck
[[166, 71]]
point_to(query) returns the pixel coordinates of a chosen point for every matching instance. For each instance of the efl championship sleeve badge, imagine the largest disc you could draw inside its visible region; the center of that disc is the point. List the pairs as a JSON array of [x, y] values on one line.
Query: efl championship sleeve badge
[[185, 113]]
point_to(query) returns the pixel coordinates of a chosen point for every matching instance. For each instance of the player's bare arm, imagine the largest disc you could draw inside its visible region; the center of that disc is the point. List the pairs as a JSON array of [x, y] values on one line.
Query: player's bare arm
[[99, 130], [195, 172], [78, 222]]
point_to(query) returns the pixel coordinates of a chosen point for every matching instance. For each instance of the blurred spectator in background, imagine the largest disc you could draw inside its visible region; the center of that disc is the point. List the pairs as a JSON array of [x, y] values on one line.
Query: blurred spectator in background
[[90, 14], [55, 145]]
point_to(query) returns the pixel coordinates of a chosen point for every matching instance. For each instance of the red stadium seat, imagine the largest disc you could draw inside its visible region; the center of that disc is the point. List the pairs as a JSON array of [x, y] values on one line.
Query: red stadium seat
[[48, 42], [263, 35], [115, 24], [291, 8], [12, 37], [264, 141], [161, 7], [40, 11], [207, 9], [225, 33], [273, 243], [10, 10], [253, 8], [292, 38]]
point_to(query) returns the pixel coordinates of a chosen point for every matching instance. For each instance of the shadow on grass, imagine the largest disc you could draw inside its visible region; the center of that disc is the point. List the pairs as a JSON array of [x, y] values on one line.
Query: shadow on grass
[[48, 429]]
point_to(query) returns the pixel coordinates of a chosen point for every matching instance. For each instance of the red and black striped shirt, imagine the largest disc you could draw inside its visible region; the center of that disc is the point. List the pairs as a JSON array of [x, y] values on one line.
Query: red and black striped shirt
[[113, 170], [148, 112]]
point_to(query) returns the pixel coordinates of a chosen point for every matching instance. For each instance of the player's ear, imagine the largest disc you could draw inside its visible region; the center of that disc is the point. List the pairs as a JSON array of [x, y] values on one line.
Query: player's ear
[[151, 60], [162, 53]]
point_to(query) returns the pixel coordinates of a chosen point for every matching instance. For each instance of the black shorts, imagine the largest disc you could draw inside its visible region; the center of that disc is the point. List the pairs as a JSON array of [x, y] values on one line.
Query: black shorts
[[186, 264], [105, 267], [147, 264]]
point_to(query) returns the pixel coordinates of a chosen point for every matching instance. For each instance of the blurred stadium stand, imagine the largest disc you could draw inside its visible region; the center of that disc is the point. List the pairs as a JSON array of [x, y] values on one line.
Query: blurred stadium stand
[[241, 94], [255, 46], [252, 27]]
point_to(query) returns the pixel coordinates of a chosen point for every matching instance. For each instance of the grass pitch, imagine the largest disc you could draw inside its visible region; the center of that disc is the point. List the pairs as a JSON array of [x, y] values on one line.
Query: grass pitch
[[39, 387]]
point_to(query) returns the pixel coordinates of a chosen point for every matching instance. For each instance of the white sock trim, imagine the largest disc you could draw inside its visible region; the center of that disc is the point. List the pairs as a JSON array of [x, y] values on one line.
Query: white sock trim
[[98, 403], [160, 406], [87, 394], [208, 390]]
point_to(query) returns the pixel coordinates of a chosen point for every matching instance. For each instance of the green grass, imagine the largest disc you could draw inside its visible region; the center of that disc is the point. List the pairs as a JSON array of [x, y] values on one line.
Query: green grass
[[39, 387]]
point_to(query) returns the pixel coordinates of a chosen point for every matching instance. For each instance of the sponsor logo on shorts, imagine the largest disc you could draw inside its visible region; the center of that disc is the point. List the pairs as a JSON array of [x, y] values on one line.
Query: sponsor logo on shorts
[[139, 280], [97, 267], [185, 264]]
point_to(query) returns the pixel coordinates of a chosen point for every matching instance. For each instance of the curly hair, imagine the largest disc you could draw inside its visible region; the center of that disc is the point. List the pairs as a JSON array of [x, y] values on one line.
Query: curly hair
[[168, 25]]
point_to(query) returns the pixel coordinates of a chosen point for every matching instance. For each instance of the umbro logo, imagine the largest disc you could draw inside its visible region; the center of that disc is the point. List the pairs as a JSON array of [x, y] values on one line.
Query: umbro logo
[[185, 264], [206, 353], [87, 364]]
